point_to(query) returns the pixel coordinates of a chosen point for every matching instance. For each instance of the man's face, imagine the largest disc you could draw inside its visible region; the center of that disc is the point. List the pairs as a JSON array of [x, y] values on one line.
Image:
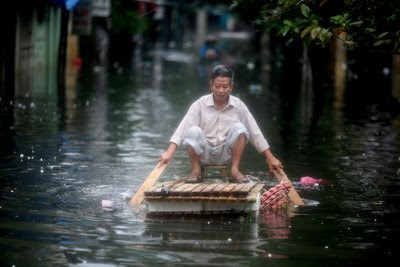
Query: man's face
[[221, 87]]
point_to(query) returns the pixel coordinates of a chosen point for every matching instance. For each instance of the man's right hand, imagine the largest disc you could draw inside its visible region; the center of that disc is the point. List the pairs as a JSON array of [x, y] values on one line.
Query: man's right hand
[[167, 156], [272, 162]]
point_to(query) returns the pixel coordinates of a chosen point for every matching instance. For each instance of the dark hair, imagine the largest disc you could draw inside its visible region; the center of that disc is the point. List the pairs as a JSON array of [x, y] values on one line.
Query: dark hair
[[222, 71]]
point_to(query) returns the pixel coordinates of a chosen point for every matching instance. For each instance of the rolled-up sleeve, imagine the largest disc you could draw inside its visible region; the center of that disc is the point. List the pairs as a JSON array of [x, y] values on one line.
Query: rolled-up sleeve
[[256, 138], [191, 119]]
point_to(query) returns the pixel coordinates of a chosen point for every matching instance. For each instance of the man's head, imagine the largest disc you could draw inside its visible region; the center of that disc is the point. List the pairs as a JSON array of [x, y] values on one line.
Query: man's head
[[221, 83], [222, 71]]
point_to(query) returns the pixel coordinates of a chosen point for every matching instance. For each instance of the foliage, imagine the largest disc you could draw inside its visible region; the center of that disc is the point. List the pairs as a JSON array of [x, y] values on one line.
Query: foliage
[[125, 18], [368, 24]]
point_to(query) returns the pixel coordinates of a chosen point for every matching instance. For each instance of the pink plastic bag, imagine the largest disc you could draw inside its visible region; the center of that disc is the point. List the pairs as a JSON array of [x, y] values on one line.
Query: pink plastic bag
[[307, 180]]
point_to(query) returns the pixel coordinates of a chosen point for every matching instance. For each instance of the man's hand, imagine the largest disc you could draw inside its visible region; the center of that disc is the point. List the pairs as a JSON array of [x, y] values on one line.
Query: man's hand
[[166, 156], [272, 162]]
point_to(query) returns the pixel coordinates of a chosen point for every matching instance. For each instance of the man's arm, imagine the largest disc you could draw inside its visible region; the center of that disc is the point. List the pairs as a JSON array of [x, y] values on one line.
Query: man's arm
[[272, 162], [259, 141], [167, 156]]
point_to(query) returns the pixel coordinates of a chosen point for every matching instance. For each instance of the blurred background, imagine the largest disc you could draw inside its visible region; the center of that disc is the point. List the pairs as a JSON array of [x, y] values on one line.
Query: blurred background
[[310, 49], [91, 91]]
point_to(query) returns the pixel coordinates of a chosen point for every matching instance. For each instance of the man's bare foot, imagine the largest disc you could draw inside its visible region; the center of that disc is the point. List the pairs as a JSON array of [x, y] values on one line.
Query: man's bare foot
[[238, 177], [194, 177]]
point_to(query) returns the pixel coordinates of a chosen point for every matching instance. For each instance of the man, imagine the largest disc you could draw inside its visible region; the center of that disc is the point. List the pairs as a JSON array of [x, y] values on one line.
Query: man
[[216, 129]]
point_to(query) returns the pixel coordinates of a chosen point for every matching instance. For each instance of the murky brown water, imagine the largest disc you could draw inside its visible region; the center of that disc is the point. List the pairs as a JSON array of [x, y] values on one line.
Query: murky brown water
[[58, 163]]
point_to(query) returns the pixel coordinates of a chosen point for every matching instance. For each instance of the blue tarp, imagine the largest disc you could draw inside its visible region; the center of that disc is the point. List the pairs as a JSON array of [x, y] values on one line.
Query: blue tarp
[[68, 4]]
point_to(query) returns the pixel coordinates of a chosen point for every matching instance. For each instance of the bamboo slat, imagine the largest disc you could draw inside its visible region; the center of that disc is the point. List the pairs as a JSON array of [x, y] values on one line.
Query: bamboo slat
[[209, 189], [181, 188], [246, 189], [154, 190], [189, 189], [202, 191], [217, 190]]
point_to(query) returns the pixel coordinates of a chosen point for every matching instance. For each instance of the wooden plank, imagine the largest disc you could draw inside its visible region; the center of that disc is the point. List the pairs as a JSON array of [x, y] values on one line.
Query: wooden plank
[[204, 191], [188, 190], [234, 193], [170, 188], [217, 190], [182, 187], [245, 189], [137, 199], [173, 187], [227, 189], [154, 190], [197, 191], [199, 195], [236, 190], [199, 207], [198, 198], [207, 190]]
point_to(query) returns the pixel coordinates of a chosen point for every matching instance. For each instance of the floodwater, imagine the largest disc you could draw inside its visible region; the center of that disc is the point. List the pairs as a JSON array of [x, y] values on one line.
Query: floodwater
[[60, 159]]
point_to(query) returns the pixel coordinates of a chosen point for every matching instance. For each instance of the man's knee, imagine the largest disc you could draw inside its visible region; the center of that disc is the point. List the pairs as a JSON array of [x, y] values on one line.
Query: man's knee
[[194, 132], [238, 130], [195, 139], [238, 126]]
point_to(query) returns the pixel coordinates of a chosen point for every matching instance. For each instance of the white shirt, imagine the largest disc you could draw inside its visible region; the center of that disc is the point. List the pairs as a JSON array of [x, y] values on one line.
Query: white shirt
[[216, 123]]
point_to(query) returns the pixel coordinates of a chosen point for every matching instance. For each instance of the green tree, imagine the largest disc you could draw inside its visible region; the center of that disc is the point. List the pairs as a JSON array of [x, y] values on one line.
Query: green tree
[[125, 18], [125, 22], [371, 25]]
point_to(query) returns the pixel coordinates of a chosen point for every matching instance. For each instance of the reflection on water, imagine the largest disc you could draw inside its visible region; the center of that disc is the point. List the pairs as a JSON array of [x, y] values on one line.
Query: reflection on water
[[214, 241], [58, 163]]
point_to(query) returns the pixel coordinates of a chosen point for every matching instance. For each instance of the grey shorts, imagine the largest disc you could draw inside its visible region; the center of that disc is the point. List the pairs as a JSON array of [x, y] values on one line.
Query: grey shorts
[[214, 155]]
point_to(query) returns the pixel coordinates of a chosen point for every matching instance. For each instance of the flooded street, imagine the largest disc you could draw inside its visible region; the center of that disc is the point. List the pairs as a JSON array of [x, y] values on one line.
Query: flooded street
[[60, 158]]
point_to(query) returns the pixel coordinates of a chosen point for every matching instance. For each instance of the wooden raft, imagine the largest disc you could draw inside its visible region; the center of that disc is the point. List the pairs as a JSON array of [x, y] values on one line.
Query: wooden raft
[[203, 198]]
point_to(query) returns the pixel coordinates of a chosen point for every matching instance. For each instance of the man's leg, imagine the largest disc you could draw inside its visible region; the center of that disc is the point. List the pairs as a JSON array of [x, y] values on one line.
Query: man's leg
[[236, 141], [195, 162], [237, 152], [196, 143]]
